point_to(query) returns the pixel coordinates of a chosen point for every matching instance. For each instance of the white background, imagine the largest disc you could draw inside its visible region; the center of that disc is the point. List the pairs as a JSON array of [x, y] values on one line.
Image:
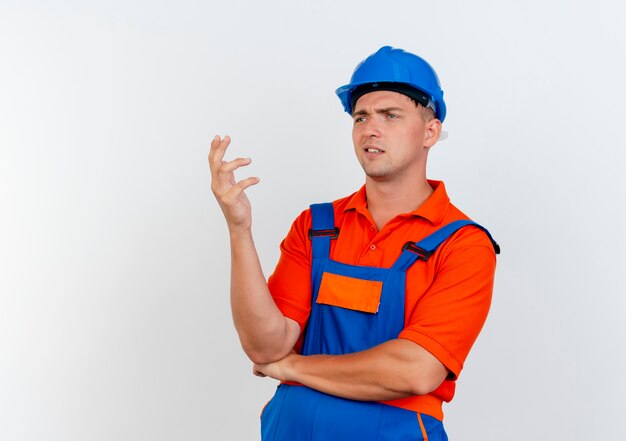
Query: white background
[[114, 261]]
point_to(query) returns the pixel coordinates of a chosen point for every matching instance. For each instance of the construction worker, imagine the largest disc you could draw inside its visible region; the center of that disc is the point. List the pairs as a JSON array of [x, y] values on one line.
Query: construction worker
[[377, 297]]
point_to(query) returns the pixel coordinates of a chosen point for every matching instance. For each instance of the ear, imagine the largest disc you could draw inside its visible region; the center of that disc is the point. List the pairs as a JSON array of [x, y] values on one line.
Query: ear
[[432, 132]]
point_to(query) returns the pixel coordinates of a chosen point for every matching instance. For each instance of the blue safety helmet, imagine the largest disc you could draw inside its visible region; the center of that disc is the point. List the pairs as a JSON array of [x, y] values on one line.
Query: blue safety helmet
[[396, 70]]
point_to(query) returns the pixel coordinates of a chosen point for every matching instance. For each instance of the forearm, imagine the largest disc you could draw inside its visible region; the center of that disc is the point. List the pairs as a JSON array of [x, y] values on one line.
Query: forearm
[[392, 370], [351, 376], [265, 334]]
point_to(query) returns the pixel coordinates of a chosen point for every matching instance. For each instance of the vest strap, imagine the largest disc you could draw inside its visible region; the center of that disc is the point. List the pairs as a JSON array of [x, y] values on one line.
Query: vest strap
[[422, 250], [323, 229]]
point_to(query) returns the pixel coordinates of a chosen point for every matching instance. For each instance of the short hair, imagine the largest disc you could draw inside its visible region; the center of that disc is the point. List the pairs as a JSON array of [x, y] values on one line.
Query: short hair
[[427, 113]]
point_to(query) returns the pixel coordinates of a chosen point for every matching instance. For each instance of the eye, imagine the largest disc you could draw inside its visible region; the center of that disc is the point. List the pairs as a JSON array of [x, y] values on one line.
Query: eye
[[359, 119], [392, 116]]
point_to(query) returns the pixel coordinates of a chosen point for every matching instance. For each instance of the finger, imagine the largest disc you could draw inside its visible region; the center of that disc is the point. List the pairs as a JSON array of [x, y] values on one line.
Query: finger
[[245, 183], [231, 166], [226, 173], [214, 144], [216, 162], [217, 151], [232, 194], [218, 147]]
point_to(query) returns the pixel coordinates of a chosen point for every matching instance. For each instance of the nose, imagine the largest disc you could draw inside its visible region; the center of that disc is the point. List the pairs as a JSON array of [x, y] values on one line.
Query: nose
[[371, 128]]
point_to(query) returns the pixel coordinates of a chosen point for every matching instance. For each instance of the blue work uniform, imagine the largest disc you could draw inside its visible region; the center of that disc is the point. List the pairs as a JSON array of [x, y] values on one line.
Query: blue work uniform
[[300, 413]]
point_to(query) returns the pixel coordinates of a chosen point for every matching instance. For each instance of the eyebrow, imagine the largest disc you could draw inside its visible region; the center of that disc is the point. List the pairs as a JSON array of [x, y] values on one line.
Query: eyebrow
[[382, 110]]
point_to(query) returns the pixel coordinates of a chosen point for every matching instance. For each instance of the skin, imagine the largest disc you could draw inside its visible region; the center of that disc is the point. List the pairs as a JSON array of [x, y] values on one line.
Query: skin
[[265, 334], [392, 137], [395, 177]]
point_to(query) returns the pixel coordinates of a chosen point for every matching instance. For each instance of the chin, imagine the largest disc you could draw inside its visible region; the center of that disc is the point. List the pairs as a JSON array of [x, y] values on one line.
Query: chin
[[377, 176]]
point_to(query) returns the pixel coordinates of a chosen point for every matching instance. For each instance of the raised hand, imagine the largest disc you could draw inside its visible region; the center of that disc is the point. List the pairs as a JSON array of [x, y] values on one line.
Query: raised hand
[[229, 193]]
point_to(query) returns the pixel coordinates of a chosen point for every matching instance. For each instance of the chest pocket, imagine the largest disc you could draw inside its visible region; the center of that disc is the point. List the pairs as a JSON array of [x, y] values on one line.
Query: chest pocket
[[350, 293]]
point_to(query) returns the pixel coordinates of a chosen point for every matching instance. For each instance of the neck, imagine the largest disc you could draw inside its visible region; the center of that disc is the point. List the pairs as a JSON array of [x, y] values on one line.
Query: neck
[[386, 200]]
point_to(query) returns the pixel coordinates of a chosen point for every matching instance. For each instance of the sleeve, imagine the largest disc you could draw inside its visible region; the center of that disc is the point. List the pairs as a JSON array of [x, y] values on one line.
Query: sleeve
[[449, 316], [290, 284]]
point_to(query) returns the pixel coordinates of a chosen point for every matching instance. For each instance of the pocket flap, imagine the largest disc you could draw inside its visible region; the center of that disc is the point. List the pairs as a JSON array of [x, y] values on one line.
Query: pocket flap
[[349, 292]]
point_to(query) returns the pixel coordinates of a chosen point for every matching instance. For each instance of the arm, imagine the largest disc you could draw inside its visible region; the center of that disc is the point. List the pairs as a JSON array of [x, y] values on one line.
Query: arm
[[265, 334], [433, 346], [395, 369]]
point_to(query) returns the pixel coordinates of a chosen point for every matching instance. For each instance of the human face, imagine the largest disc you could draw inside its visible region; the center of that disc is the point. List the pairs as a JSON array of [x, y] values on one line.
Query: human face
[[391, 138]]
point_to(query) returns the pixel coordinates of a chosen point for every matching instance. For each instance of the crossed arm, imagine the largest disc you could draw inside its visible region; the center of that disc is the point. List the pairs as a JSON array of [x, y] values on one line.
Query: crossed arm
[[394, 369]]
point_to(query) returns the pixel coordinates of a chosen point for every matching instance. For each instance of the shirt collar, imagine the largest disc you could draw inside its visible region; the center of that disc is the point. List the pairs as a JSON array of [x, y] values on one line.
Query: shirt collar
[[433, 209]]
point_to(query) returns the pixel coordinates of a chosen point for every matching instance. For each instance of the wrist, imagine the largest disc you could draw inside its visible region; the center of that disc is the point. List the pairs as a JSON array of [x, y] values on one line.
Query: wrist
[[290, 367], [238, 233]]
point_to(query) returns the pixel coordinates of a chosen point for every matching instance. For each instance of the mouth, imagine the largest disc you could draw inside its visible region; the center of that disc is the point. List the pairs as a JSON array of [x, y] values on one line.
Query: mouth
[[374, 150]]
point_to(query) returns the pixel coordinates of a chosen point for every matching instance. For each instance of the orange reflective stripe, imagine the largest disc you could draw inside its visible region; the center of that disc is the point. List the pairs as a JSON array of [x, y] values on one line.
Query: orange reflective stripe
[[348, 292], [419, 420]]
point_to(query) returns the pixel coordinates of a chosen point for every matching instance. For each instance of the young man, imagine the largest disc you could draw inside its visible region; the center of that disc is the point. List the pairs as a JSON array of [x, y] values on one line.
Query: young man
[[378, 297]]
